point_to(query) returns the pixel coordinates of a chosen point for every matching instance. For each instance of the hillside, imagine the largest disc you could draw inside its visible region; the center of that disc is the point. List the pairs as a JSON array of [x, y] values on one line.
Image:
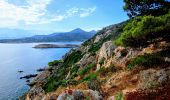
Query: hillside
[[74, 35], [129, 60]]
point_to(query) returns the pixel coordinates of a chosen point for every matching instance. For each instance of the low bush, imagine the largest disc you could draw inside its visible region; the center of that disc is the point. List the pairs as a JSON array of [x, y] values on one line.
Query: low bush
[[74, 69], [90, 77], [55, 63], [74, 57], [87, 69], [95, 47], [105, 71], [146, 60], [94, 84], [141, 30], [101, 62], [119, 96]]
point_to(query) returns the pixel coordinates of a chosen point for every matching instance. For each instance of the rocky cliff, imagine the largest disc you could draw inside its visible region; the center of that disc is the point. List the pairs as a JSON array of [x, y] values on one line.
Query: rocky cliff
[[100, 70]]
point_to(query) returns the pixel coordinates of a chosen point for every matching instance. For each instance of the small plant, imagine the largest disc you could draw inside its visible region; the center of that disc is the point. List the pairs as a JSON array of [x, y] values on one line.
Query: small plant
[[119, 96], [87, 98], [90, 77], [55, 63], [146, 60], [101, 62], [105, 71], [94, 84], [87, 69], [74, 69], [94, 47]]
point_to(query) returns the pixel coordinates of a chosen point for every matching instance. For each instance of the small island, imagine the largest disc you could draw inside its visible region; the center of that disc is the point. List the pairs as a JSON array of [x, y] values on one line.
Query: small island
[[56, 46]]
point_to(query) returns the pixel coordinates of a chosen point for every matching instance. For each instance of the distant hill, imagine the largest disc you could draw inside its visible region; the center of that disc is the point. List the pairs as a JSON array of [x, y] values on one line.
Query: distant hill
[[74, 35]]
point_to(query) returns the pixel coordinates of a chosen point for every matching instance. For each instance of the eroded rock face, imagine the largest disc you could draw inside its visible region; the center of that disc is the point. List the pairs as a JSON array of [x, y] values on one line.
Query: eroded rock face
[[98, 38], [106, 50], [35, 93], [87, 59], [95, 95], [124, 55], [81, 95], [153, 78]]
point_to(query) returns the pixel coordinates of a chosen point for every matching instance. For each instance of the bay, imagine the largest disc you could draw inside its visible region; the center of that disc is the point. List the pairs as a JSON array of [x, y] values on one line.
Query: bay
[[16, 57]]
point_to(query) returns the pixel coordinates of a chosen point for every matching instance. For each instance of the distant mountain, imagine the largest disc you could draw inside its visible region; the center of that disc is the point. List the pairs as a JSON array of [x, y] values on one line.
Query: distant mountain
[[6, 33], [74, 35], [93, 31]]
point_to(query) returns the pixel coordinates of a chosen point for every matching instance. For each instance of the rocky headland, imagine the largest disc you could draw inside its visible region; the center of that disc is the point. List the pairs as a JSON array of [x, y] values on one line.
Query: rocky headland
[[117, 63]]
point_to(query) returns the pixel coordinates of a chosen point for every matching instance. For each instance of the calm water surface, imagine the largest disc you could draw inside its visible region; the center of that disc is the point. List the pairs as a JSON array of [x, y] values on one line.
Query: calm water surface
[[15, 57]]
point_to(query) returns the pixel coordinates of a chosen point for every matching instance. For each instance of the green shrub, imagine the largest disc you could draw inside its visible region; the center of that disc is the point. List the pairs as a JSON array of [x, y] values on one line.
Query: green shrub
[[90, 77], [74, 57], [104, 71], [95, 47], [51, 85], [55, 63], [146, 60], [87, 69], [87, 98], [74, 69], [94, 84], [58, 78], [101, 62], [119, 96], [140, 30]]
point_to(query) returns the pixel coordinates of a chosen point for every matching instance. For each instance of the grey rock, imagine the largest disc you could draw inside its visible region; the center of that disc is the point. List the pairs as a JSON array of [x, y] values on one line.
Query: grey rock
[[153, 78], [36, 93], [87, 59], [78, 95], [106, 51], [95, 95]]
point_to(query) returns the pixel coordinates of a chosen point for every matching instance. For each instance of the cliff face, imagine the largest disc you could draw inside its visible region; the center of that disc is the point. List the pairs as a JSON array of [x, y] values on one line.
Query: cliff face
[[99, 70]]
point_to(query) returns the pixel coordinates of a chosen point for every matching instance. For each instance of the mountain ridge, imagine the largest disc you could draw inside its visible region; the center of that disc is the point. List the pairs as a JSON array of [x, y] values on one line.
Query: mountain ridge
[[73, 35]]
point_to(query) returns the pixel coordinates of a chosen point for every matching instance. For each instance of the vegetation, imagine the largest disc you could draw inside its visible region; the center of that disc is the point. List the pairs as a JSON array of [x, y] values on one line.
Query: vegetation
[[58, 79], [94, 84], [55, 63], [146, 7], [90, 77], [101, 62], [74, 57], [96, 46], [141, 30], [87, 68], [146, 60], [119, 96], [105, 71]]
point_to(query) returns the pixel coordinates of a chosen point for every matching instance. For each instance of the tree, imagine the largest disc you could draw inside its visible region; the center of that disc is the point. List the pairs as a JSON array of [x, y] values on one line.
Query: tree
[[146, 7]]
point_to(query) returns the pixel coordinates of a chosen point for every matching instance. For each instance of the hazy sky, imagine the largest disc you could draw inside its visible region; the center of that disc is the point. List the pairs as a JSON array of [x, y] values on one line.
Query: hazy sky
[[60, 15]]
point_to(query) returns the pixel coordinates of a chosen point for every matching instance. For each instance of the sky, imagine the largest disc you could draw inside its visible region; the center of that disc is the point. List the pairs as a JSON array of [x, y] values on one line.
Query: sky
[[60, 15]]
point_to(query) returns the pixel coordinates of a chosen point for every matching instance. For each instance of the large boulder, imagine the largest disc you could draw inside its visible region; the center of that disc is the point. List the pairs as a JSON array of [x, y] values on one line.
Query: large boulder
[[106, 51], [81, 95], [152, 78], [35, 93]]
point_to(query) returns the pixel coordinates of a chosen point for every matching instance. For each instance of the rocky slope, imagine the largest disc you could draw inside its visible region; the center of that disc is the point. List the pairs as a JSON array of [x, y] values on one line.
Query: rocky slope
[[99, 70]]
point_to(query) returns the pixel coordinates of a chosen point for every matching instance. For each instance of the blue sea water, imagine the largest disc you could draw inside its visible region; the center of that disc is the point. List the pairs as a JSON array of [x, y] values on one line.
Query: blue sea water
[[15, 57]]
